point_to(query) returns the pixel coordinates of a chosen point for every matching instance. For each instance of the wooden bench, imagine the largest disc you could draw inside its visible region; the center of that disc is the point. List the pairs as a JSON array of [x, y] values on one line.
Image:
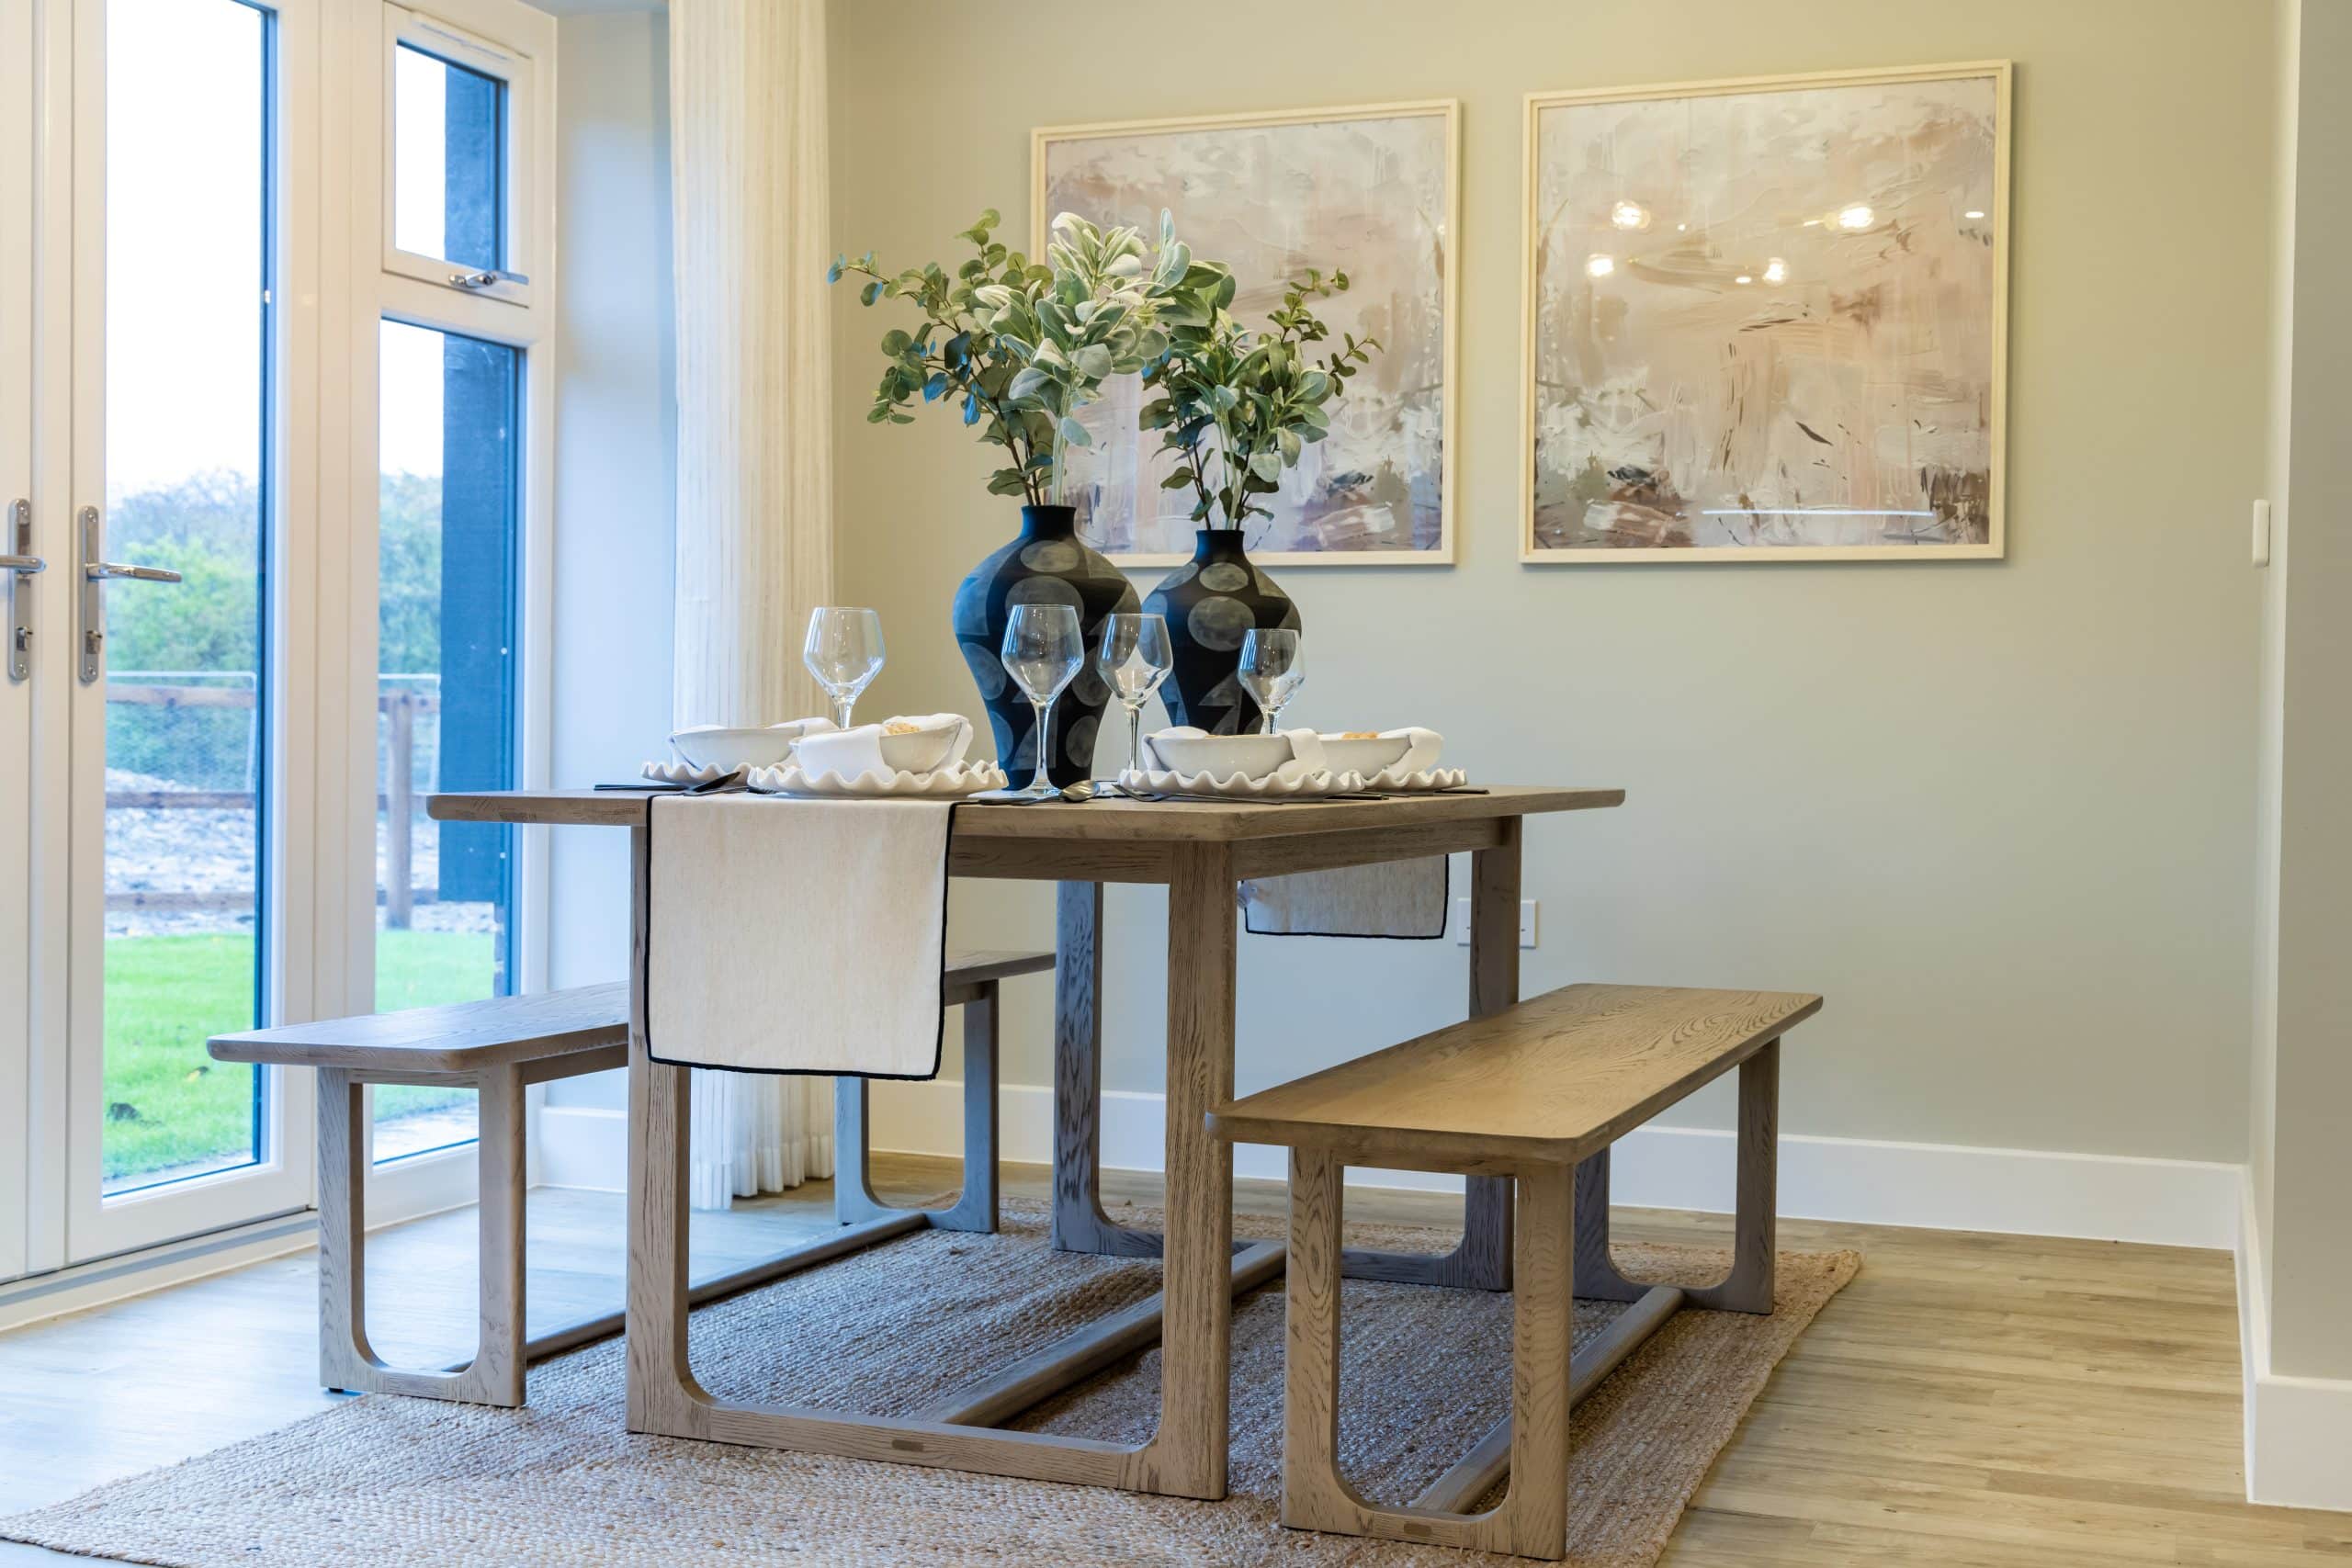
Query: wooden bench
[[499, 1048], [1530, 1093]]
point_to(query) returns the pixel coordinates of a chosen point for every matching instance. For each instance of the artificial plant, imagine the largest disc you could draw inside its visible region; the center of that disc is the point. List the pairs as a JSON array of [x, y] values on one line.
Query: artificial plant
[[1022, 345], [1237, 406]]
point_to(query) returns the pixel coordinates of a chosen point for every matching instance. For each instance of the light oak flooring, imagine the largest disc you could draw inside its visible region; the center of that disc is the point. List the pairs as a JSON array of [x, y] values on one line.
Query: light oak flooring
[[1969, 1400]]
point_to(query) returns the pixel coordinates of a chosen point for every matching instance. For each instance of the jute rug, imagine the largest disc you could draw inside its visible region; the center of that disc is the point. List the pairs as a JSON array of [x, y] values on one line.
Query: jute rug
[[383, 1479]]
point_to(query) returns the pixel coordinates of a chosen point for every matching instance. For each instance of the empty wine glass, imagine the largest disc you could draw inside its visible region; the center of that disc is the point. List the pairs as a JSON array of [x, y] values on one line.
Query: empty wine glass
[[843, 650], [1273, 667], [1134, 658], [1044, 650]]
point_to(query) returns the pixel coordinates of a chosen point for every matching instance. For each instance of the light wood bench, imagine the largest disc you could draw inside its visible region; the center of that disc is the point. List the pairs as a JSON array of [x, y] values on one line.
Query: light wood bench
[[499, 1048], [1529, 1093]]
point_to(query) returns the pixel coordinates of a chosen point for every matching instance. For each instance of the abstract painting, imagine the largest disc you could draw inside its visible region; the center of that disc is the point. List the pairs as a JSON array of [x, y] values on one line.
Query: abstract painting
[[1766, 319], [1367, 191]]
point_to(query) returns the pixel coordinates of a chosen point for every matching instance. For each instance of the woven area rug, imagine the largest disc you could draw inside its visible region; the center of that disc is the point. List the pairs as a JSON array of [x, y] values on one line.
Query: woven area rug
[[383, 1479]]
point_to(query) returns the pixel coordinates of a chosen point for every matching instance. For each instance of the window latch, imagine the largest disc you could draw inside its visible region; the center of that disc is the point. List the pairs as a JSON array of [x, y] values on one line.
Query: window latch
[[485, 278]]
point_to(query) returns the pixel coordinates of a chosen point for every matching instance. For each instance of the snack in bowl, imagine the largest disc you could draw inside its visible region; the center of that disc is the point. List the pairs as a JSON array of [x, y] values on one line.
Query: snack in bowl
[[921, 744], [1364, 751]]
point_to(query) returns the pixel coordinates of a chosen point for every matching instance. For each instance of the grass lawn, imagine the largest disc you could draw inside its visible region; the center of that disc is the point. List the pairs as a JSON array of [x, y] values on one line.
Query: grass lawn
[[169, 1104]]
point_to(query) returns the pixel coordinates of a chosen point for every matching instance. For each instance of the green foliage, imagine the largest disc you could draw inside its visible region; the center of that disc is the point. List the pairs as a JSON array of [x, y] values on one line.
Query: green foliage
[[1239, 407], [1018, 347], [207, 529]]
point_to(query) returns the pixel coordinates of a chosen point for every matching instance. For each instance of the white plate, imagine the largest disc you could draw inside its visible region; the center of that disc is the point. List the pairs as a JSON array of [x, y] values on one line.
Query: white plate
[[1368, 757], [1427, 779], [1236, 786], [680, 773], [947, 783]]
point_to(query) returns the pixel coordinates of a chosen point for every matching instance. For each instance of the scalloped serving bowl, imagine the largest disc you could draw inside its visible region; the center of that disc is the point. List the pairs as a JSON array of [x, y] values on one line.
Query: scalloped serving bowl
[[1222, 756], [725, 747]]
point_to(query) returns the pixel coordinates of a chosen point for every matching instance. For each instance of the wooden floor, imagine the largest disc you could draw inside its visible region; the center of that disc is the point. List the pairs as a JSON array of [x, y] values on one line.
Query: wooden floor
[[1969, 1400]]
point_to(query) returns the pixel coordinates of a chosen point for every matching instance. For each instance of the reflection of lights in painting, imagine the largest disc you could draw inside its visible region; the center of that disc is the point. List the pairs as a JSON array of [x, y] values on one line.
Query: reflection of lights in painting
[[1776, 271], [1855, 216], [1630, 215], [1598, 265]]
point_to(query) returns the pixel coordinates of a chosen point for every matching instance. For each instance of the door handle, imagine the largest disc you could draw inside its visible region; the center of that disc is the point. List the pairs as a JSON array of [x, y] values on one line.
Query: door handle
[[18, 567], [94, 573]]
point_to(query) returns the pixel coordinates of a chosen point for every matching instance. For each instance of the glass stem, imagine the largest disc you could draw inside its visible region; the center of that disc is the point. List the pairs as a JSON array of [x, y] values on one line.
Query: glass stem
[[841, 707], [1135, 738], [1039, 783]]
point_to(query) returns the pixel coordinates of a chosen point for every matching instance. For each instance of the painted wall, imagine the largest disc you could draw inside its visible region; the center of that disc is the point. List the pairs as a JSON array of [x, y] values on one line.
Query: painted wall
[[615, 481], [1998, 812]]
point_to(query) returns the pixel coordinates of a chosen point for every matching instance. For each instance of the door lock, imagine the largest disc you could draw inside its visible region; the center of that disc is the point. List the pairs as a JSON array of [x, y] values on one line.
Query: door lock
[[20, 566], [94, 573]]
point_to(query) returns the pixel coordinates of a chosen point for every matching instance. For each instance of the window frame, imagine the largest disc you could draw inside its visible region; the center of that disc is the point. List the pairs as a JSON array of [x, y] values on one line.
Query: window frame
[[490, 54], [390, 284]]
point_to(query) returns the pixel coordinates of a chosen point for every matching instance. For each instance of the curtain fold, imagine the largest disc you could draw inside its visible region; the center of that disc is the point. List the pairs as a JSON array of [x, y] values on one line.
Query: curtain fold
[[754, 519]]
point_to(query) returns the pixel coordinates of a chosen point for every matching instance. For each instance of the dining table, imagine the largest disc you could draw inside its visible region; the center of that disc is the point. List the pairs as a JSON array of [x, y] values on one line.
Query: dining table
[[1200, 850]]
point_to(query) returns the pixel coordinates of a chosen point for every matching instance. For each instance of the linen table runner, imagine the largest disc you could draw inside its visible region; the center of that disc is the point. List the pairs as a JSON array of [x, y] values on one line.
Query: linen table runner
[[796, 936]]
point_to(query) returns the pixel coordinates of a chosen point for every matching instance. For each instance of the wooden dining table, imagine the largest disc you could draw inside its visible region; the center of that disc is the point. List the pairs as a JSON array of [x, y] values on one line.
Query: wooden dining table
[[1200, 850]]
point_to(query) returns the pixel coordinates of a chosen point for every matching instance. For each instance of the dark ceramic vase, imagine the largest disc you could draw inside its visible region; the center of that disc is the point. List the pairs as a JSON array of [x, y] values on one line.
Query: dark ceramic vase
[[1210, 602], [1046, 563]]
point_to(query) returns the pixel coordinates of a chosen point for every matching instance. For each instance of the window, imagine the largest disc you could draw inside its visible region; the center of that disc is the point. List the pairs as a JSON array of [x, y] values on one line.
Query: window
[[458, 166], [187, 430], [449, 561]]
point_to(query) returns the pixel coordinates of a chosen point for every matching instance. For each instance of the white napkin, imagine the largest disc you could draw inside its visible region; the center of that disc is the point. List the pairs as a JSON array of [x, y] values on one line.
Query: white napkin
[[796, 936], [1421, 751], [857, 751]]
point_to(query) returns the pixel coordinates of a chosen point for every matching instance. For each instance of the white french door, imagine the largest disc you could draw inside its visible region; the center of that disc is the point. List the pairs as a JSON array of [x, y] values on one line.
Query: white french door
[[19, 594], [158, 773]]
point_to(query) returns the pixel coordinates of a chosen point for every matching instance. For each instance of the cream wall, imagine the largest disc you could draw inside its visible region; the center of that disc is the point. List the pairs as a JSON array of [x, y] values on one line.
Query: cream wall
[[1999, 814], [615, 461]]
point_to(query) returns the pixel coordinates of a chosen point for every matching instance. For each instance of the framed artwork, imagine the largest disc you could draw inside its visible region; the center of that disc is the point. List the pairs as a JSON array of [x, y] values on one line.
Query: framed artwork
[[1764, 318], [1371, 191]]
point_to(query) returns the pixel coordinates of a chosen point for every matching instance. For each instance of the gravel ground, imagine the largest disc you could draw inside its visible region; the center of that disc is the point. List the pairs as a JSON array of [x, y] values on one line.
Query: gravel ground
[[186, 849]]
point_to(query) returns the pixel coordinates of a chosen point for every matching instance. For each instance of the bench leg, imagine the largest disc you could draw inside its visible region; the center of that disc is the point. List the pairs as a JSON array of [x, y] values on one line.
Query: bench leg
[[1532, 1519], [347, 1361], [976, 1209], [1749, 1287]]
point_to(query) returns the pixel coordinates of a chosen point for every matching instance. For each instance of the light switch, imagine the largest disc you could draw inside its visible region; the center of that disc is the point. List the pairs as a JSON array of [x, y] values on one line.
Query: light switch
[[2262, 533]]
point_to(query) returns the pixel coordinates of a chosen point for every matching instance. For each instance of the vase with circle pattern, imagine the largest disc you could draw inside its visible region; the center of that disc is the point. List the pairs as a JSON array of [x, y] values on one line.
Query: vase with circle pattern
[[1210, 602], [1046, 563]]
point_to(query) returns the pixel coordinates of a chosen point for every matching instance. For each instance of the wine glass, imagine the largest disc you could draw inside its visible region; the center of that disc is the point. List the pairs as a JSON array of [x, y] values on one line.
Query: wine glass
[[843, 650], [1134, 658], [1044, 650], [1273, 667]]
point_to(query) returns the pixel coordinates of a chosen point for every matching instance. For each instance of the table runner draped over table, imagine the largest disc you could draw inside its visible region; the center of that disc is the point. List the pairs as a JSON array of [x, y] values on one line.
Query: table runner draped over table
[[796, 936]]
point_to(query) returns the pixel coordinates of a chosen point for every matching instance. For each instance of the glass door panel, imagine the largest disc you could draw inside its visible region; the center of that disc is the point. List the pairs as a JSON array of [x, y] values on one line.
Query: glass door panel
[[447, 560], [188, 280]]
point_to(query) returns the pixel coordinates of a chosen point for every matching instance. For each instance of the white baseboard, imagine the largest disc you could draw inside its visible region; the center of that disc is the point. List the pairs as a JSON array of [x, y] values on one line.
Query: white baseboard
[[2298, 1430], [1930, 1186], [582, 1146]]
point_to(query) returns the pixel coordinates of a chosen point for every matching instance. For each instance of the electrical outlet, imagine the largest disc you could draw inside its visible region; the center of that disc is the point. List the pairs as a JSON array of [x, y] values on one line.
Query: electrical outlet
[[1526, 922], [2262, 533]]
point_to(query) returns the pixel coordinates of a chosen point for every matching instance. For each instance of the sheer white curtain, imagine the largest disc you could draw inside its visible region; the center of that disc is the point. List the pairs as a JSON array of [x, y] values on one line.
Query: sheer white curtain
[[747, 171]]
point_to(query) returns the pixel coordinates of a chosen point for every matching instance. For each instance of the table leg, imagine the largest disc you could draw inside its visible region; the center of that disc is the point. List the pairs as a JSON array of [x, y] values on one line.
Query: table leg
[[1078, 1222], [1483, 1259], [1188, 1456]]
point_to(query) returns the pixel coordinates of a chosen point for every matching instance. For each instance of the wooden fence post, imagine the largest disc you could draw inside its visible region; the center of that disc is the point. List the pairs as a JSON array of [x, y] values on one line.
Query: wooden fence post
[[399, 810]]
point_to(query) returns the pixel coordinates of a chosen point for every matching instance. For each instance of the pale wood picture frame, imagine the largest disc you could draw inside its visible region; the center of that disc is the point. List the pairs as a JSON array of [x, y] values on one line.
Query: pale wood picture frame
[[1044, 137], [1994, 545]]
